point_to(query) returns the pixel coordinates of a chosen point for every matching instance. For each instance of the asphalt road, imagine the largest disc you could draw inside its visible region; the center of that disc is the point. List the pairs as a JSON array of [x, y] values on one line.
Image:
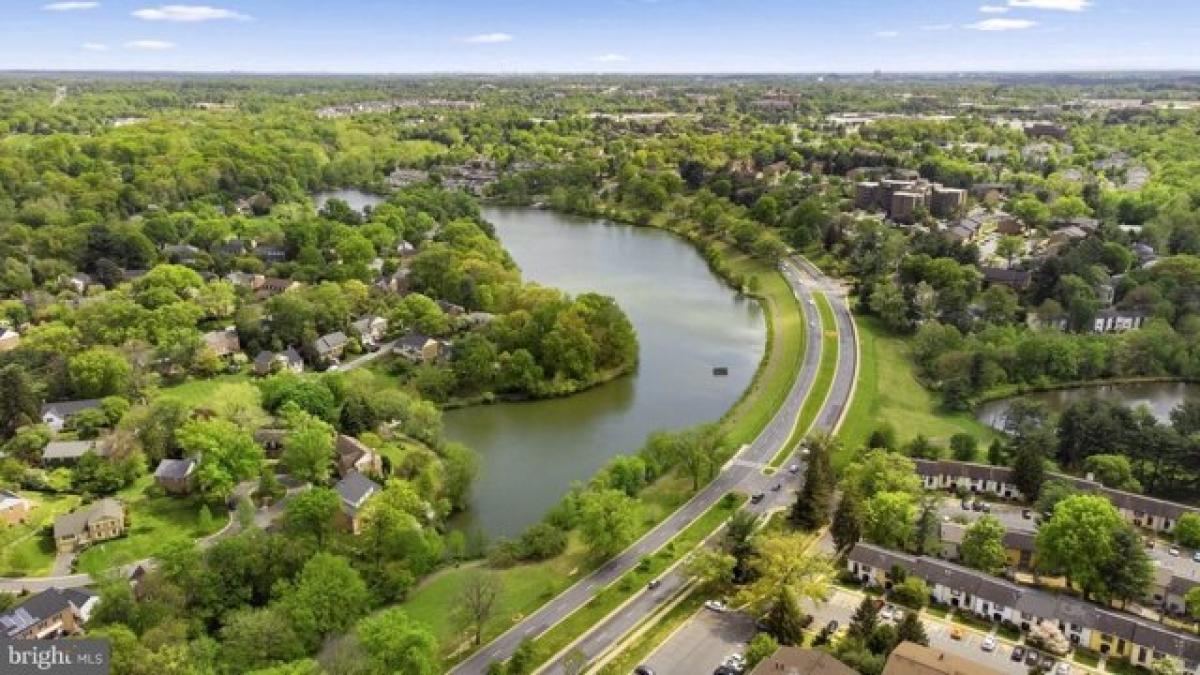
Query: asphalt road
[[743, 473], [703, 643]]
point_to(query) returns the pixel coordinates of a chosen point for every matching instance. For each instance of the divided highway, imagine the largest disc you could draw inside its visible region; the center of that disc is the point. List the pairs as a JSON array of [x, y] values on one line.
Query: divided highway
[[743, 473]]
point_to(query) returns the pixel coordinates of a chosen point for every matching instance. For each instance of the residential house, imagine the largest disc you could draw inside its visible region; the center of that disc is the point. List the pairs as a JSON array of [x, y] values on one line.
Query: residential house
[[1010, 226], [354, 490], [176, 476], [796, 661], [405, 249], [1060, 238], [271, 440], [450, 308], [271, 254], [330, 347], [272, 286], [57, 414], [63, 453], [951, 535], [244, 280], [397, 283], [1044, 129], [9, 339], [101, 521], [418, 348], [947, 202], [910, 658], [985, 191], [184, 254], [354, 455], [1140, 510], [79, 282], [1020, 548], [51, 613], [272, 362], [370, 329], [13, 507], [1018, 280], [235, 247], [1118, 320], [224, 343], [1144, 252]]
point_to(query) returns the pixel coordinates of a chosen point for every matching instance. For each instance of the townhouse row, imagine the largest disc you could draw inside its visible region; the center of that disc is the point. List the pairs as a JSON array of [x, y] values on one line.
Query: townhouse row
[[1153, 514], [1102, 630]]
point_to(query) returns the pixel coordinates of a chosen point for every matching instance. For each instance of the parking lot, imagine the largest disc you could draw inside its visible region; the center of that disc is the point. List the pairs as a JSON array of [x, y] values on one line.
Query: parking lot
[[702, 643]]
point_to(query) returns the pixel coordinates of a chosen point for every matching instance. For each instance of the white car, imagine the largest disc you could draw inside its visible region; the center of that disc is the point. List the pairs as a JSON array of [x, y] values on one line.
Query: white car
[[1173, 552], [1063, 668], [887, 613], [988, 644], [715, 605]]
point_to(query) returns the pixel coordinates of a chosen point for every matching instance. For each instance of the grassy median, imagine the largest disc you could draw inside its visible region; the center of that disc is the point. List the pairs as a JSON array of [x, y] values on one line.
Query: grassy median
[[822, 382]]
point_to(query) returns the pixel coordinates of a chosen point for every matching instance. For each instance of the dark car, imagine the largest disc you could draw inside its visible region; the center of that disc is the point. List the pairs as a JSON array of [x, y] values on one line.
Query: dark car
[[1031, 659], [777, 488], [725, 670], [643, 670], [654, 583], [966, 505], [758, 497], [832, 626], [977, 506], [1026, 514], [1018, 653]]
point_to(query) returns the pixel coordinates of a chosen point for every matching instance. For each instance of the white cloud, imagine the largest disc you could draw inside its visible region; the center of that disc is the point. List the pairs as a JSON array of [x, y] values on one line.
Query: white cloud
[[610, 58], [937, 26], [69, 6], [993, 9], [887, 33], [488, 38], [150, 45], [187, 13], [95, 46], [1060, 5], [1001, 24]]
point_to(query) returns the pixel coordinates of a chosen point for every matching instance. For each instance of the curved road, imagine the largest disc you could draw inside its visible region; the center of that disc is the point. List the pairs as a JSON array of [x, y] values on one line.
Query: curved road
[[743, 472]]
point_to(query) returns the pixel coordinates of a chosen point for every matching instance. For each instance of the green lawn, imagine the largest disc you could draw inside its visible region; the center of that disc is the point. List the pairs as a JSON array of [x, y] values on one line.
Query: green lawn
[[888, 392], [826, 369], [785, 350], [199, 392], [153, 523], [25, 550]]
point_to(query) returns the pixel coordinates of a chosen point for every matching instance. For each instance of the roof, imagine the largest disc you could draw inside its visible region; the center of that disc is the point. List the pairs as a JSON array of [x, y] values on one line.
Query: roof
[[330, 342], [952, 532], [33, 611], [175, 469], [222, 341], [1001, 275], [77, 521], [364, 324], [354, 490], [67, 449], [796, 661], [64, 409], [1020, 540], [910, 658], [880, 558], [413, 341]]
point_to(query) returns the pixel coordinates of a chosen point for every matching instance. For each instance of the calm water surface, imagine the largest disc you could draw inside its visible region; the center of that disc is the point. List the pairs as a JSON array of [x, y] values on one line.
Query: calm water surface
[[1159, 397], [687, 322]]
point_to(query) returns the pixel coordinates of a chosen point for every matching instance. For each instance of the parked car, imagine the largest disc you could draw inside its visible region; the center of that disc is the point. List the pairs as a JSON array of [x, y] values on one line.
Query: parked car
[[988, 644], [1063, 668], [715, 605], [1031, 659], [1018, 653], [758, 497], [795, 468], [1196, 556], [832, 626], [1026, 514], [1173, 552], [966, 505], [977, 505], [725, 670], [643, 670], [956, 633]]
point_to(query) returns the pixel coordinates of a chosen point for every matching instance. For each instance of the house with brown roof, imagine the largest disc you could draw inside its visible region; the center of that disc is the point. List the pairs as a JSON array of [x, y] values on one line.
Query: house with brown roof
[[354, 455], [101, 521], [910, 658], [223, 343]]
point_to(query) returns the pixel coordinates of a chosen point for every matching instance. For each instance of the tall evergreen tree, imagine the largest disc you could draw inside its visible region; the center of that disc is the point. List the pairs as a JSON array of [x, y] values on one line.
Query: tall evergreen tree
[[865, 619], [847, 523], [1029, 469], [929, 529], [811, 509], [21, 404], [910, 629], [785, 620]]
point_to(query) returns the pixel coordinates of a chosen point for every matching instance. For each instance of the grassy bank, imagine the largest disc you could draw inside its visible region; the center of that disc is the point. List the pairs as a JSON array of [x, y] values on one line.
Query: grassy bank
[[888, 392]]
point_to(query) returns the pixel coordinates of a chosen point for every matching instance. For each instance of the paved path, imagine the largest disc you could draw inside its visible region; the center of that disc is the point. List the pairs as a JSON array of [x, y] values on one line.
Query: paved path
[[742, 474]]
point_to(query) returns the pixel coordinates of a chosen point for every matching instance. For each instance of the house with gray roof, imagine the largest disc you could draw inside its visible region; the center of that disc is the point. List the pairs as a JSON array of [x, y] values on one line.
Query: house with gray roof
[[176, 476], [51, 613], [62, 453], [330, 347], [100, 521], [354, 490], [56, 415]]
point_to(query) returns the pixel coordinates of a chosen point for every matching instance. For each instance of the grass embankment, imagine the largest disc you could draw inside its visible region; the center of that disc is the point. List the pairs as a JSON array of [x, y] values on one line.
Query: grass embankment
[[826, 369], [888, 392], [26, 549], [154, 523]]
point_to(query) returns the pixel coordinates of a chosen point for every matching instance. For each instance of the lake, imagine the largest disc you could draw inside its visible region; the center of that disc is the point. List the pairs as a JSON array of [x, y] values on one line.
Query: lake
[[356, 199], [688, 322], [1159, 397]]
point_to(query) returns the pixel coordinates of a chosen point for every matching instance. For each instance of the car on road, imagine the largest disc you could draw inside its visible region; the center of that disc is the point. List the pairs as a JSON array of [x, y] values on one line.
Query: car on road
[[777, 488], [1173, 552], [757, 497], [1018, 653], [956, 633], [654, 583], [966, 505], [1031, 659], [643, 670], [715, 605], [832, 626], [735, 661], [795, 468], [988, 644], [1026, 514], [889, 612], [1196, 556]]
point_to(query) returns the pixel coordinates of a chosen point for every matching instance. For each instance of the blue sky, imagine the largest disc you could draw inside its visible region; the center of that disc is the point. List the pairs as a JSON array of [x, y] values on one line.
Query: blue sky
[[600, 35]]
